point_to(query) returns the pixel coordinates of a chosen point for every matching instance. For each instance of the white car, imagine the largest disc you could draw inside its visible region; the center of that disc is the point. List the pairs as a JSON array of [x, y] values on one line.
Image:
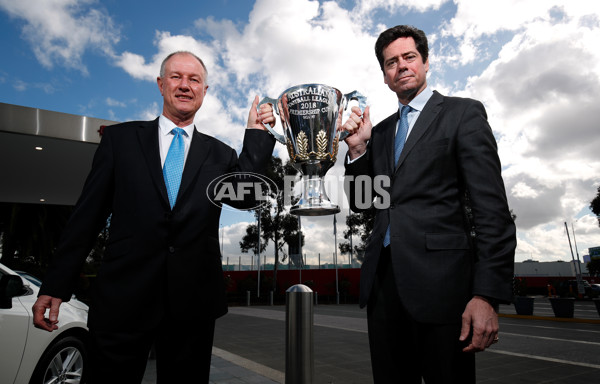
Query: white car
[[31, 355]]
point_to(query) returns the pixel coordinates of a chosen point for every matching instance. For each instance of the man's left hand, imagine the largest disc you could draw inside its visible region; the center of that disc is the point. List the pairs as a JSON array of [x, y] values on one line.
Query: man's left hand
[[479, 320], [259, 116]]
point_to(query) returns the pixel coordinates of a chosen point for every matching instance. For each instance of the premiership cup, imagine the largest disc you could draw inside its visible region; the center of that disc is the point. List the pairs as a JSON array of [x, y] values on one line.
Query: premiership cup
[[311, 115]]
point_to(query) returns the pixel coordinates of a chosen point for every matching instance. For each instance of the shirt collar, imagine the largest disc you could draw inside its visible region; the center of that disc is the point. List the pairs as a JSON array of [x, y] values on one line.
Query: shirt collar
[[418, 103], [166, 126]]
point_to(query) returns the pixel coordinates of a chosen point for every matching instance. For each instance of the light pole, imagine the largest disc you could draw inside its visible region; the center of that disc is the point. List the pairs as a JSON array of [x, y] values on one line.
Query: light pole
[[351, 247], [258, 256], [222, 231], [337, 291], [580, 288]]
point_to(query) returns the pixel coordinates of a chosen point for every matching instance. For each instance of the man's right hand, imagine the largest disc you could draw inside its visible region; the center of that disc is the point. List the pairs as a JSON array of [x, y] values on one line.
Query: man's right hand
[[359, 127], [39, 311]]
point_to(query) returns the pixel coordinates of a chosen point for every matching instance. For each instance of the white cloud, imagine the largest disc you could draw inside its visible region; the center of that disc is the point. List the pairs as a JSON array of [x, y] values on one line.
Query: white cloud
[[151, 112], [166, 43], [20, 85], [23, 86], [115, 103], [539, 92], [61, 31], [532, 63], [394, 6], [538, 89]]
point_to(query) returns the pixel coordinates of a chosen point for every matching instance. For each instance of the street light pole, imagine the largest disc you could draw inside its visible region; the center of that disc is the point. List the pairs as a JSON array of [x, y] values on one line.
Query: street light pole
[[258, 256], [337, 291], [576, 251], [580, 288]]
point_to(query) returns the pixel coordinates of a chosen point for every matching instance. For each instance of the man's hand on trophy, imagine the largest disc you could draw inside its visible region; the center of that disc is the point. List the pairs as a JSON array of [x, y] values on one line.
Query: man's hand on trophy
[[259, 115], [359, 128]]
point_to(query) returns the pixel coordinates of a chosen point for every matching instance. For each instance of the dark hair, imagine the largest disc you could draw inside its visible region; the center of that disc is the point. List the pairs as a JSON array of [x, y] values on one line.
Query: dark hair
[[392, 34]]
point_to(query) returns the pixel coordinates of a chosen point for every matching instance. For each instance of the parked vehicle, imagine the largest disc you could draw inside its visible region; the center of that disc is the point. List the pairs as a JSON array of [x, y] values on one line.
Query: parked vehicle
[[572, 285], [32, 355]]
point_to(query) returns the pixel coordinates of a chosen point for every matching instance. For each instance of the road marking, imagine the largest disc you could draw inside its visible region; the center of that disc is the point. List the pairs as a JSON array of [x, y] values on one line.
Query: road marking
[[255, 367], [549, 338], [543, 358], [502, 324]]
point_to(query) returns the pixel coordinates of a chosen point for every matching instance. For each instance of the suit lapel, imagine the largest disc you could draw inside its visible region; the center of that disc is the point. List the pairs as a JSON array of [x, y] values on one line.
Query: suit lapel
[[390, 134], [148, 136], [384, 161], [426, 117], [199, 149]]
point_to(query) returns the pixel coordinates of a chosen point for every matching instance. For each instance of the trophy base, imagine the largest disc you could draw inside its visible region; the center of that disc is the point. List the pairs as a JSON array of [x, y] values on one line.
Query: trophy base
[[314, 200], [314, 209]]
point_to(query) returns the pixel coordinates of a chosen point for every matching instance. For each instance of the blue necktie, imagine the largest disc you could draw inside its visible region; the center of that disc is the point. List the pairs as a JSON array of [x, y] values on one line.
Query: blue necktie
[[398, 145], [173, 168]]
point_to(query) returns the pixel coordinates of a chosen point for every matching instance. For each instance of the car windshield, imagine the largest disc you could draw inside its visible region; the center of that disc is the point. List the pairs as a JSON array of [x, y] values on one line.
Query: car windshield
[[32, 279]]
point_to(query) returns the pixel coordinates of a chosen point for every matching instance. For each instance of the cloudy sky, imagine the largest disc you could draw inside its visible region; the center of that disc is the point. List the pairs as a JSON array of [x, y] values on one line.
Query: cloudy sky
[[533, 63]]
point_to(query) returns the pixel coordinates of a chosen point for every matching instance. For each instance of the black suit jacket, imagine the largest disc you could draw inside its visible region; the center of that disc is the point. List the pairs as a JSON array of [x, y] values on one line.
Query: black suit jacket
[[157, 261], [437, 265]]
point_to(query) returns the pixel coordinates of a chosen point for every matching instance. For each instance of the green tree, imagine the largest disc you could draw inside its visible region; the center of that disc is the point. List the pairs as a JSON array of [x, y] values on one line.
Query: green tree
[[276, 225], [359, 227], [594, 267], [595, 206]]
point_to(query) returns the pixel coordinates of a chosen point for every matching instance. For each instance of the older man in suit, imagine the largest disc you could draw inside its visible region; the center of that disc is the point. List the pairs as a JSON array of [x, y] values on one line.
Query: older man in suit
[[440, 257], [161, 280]]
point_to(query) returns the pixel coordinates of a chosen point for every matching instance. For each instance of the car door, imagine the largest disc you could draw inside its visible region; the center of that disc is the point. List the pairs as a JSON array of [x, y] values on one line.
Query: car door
[[14, 324]]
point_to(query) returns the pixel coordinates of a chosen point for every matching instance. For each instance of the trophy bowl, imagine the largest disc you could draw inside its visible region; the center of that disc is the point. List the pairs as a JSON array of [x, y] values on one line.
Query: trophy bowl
[[311, 115]]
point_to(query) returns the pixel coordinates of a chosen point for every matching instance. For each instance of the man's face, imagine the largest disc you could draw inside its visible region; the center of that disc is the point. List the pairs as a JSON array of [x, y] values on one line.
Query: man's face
[[404, 71], [183, 88]]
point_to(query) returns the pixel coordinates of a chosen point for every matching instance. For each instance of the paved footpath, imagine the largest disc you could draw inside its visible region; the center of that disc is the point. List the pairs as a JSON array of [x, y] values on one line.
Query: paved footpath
[[249, 347]]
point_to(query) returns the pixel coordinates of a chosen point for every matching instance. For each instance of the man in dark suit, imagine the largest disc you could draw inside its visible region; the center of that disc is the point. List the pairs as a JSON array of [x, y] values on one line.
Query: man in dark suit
[[161, 280], [440, 257]]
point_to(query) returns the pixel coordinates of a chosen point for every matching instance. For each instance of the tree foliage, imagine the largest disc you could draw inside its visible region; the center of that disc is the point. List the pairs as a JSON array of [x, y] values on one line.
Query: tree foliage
[[594, 267], [276, 226], [595, 205], [359, 227]]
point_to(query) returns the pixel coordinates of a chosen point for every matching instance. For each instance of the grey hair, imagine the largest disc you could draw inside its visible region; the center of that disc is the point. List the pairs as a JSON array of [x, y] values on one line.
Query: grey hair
[[164, 63]]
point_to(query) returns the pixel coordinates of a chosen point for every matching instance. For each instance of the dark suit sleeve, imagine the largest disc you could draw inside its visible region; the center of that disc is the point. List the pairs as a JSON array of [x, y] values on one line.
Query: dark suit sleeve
[[357, 192], [254, 158], [480, 169], [256, 152], [87, 219]]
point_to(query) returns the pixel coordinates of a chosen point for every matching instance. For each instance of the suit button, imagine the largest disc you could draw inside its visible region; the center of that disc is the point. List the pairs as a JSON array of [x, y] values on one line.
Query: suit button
[[171, 249], [392, 206]]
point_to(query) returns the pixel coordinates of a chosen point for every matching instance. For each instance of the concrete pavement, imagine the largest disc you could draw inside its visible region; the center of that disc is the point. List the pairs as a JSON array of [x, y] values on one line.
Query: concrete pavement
[[249, 347]]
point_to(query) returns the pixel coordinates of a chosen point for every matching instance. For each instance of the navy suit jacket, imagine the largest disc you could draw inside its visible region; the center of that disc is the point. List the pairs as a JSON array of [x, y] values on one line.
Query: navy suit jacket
[[158, 262], [438, 266]]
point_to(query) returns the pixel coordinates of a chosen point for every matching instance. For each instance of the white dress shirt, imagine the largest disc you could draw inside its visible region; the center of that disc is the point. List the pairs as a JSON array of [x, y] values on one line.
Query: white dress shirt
[[165, 126]]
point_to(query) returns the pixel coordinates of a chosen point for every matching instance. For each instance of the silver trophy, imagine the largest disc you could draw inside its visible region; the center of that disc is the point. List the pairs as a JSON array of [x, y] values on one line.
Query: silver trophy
[[311, 115]]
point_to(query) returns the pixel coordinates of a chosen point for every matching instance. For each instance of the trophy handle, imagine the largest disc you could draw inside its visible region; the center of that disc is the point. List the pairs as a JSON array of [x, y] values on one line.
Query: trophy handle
[[362, 104], [267, 100]]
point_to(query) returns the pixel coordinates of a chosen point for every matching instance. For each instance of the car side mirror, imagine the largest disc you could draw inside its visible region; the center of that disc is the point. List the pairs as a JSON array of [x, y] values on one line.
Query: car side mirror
[[10, 286]]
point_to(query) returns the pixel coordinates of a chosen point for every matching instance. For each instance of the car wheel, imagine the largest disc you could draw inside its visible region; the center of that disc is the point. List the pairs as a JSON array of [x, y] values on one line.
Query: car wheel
[[63, 362]]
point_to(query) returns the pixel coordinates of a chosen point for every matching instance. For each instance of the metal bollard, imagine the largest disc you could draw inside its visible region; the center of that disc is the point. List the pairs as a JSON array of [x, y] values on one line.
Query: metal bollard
[[271, 298], [248, 298], [299, 359]]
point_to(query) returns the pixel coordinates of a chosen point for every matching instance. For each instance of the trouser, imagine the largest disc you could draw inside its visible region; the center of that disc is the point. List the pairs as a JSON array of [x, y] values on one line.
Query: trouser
[[404, 350], [182, 353]]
